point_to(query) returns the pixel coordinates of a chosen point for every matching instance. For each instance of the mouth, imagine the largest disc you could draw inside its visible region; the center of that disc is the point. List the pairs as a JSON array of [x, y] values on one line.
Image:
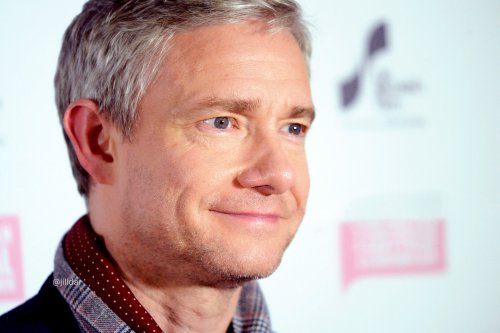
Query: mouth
[[255, 217]]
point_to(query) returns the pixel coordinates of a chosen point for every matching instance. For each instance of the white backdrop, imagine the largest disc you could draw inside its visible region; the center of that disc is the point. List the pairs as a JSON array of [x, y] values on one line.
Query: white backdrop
[[403, 221]]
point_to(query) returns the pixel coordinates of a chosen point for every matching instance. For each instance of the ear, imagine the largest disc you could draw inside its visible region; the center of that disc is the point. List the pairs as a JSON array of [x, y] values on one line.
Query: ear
[[91, 135]]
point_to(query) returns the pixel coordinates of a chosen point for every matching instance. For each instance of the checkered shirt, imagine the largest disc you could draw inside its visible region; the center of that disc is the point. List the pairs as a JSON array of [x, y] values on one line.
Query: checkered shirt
[[94, 316]]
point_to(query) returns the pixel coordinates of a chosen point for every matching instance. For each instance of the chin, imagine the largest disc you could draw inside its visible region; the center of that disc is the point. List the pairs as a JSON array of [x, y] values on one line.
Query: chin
[[231, 263], [235, 275]]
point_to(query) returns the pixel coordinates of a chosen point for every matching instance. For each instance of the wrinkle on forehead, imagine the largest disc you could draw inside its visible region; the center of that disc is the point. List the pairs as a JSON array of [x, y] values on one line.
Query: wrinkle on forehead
[[237, 63], [245, 39]]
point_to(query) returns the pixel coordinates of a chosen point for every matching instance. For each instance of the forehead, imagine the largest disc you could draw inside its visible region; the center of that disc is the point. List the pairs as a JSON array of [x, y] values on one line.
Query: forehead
[[242, 49], [233, 61], [238, 37]]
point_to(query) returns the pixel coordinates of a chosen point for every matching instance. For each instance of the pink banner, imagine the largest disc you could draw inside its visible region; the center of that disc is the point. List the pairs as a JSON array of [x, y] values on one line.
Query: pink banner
[[391, 247], [11, 277]]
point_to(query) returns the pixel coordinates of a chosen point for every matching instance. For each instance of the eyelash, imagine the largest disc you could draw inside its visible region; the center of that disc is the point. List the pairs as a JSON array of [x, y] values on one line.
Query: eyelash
[[303, 129], [221, 120], [229, 121]]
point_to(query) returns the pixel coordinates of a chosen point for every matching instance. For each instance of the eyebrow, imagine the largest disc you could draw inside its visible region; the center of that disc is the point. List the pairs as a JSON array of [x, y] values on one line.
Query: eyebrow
[[242, 106], [307, 112]]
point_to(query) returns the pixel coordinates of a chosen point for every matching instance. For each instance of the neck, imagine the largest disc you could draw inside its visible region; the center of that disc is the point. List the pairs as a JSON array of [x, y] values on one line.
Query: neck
[[181, 308], [172, 302]]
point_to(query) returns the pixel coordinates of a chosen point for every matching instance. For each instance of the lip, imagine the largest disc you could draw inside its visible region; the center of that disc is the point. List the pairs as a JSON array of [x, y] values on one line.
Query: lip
[[251, 216]]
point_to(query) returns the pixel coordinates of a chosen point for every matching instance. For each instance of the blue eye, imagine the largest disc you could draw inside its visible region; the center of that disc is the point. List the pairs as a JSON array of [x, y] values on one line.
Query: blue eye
[[219, 122], [296, 129]]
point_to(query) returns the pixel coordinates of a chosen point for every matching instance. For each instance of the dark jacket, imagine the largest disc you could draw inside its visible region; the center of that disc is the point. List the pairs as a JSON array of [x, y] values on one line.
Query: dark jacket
[[46, 312]]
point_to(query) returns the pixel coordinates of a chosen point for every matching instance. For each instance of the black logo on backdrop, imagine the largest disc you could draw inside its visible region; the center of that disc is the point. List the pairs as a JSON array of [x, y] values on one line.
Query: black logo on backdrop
[[351, 87], [388, 92]]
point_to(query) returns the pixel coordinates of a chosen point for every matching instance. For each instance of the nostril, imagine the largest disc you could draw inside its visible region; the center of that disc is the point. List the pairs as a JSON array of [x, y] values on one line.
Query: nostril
[[266, 190]]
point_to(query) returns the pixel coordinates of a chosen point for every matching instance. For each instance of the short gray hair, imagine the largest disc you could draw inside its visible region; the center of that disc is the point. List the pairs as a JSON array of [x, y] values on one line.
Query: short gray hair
[[112, 51]]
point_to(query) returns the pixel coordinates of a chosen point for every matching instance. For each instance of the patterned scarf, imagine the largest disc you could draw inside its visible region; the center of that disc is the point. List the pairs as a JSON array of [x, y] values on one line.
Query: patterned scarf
[[102, 302]]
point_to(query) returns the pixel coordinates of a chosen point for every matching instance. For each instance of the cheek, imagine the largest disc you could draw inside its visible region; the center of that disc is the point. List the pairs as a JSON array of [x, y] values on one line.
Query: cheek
[[181, 174], [302, 183], [157, 198], [206, 162]]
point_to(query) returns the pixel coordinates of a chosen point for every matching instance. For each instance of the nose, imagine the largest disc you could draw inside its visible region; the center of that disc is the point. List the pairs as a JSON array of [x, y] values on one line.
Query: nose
[[269, 170]]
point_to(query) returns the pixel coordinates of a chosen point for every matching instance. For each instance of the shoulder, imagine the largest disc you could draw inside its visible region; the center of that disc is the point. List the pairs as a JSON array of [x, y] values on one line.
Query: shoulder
[[46, 312]]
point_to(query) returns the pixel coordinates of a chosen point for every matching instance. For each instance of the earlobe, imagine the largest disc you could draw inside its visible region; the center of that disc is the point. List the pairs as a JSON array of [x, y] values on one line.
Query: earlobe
[[90, 135]]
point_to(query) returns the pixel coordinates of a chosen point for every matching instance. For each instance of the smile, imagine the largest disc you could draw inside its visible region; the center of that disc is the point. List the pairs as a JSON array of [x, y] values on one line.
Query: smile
[[251, 216]]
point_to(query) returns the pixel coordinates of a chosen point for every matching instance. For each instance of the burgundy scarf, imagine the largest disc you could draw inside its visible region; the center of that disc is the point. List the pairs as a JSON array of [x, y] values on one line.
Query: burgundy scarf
[[88, 258]]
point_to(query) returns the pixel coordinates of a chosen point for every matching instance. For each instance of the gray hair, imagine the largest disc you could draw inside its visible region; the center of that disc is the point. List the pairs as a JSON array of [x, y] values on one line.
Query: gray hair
[[112, 51]]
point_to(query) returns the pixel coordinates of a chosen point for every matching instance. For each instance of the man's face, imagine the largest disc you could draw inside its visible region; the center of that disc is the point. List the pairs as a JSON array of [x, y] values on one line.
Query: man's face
[[214, 182]]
